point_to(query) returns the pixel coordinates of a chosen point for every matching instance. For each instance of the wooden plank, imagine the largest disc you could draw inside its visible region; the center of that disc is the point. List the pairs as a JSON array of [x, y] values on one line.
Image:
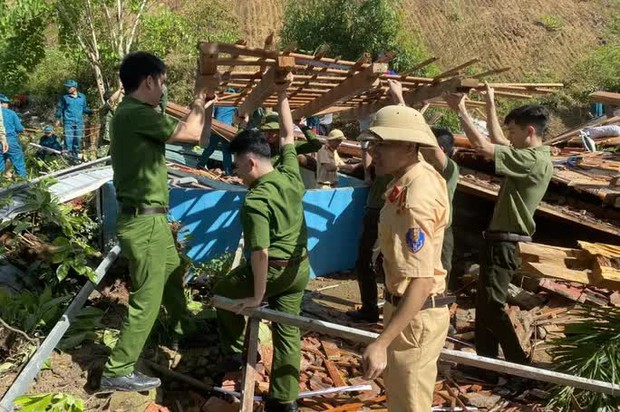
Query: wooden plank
[[249, 372], [348, 88], [334, 373], [208, 58], [465, 358], [456, 70], [453, 85], [331, 350], [266, 86], [605, 98], [419, 66]]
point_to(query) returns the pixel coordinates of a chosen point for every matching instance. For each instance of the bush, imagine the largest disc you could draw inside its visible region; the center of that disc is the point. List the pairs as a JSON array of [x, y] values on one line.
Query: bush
[[352, 28]]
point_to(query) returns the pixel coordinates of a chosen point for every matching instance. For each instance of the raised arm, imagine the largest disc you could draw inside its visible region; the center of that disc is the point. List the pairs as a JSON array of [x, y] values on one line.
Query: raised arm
[[496, 134], [478, 141], [190, 130], [287, 130]]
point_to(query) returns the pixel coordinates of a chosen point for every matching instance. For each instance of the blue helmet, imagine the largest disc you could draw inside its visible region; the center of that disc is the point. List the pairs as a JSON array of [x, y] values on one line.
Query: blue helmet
[[71, 83], [48, 128], [4, 99]]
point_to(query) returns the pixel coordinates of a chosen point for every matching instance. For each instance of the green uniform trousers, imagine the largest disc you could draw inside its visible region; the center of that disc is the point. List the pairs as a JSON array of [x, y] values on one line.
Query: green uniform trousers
[[156, 275], [285, 290], [499, 263]]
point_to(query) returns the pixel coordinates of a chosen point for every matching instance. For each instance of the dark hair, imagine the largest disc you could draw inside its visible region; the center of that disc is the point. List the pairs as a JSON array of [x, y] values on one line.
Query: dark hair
[[138, 66], [445, 139], [251, 141], [530, 115]]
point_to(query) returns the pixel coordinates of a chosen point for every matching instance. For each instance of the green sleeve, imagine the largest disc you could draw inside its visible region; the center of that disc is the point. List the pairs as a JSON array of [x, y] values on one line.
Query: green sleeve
[[154, 125], [289, 166], [312, 143], [513, 162], [451, 175], [255, 221]]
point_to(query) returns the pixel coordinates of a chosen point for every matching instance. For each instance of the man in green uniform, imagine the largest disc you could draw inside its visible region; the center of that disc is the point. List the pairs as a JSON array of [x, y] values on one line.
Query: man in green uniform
[[139, 134], [275, 235], [526, 164], [271, 128]]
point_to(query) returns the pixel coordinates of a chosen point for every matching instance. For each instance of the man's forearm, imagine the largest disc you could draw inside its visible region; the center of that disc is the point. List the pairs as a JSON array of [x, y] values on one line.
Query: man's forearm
[[260, 265], [496, 134], [190, 130], [286, 119], [476, 138], [412, 301]]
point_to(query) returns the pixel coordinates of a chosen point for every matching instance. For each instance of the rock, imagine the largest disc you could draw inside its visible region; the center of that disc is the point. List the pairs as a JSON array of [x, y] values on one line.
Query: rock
[[614, 299], [484, 400], [219, 405], [132, 401]]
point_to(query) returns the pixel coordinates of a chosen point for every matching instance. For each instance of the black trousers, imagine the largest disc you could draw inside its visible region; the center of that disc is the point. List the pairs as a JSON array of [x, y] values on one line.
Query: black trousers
[[500, 262], [366, 271]]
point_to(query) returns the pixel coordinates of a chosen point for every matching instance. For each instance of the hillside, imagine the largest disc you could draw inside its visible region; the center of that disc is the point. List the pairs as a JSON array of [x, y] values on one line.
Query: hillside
[[539, 39]]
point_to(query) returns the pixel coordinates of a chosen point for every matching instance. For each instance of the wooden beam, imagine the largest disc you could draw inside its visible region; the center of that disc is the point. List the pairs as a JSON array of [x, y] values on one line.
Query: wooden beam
[[605, 98], [453, 85], [465, 358], [266, 87], [249, 371], [419, 66], [456, 69], [354, 85]]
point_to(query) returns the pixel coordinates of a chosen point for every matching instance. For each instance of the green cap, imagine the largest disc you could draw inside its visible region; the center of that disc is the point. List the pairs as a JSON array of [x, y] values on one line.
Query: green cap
[[270, 122]]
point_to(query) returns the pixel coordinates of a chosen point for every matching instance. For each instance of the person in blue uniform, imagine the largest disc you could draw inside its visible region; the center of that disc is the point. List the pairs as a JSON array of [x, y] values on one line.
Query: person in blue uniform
[[224, 114], [12, 128], [72, 107], [50, 140]]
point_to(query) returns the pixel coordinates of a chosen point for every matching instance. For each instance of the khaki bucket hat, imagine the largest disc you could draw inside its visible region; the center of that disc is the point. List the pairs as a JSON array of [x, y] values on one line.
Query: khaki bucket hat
[[336, 134], [400, 124]]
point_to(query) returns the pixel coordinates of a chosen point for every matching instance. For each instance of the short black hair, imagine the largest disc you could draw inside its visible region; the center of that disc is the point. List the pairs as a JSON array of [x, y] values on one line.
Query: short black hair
[[445, 139], [533, 115], [138, 66], [251, 141]]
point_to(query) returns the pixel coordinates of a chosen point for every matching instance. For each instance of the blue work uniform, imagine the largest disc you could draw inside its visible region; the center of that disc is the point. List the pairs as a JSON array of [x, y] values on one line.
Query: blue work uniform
[[224, 114], [13, 127], [71, 109], [50, 141]]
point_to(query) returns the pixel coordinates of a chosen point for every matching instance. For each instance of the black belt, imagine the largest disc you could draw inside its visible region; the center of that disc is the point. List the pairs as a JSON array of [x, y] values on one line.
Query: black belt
[[143, 210], [506, 236], [283, 263], [436, 301]]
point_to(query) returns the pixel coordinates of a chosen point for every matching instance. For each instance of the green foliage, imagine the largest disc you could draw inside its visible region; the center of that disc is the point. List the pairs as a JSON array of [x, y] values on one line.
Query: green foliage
[[49, 402], [22, 40], [591, 349], [32, 312], [173, 36], [552, 23], [352, 28]]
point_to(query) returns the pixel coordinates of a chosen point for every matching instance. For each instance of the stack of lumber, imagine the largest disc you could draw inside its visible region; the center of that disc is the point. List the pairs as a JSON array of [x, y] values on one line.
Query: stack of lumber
[[594, 264]]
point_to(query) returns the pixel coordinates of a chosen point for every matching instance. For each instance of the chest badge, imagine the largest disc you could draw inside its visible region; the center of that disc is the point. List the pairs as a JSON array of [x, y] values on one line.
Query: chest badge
[[415, 239], [395, 194]]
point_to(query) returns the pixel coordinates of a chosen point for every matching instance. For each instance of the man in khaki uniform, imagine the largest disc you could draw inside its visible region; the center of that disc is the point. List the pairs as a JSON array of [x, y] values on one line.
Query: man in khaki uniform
[[328, 162], [411, 229]]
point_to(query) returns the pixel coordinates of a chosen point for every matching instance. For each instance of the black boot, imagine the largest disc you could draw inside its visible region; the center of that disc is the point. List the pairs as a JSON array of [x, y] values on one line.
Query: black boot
[[364, 315], [132, 382], [273, 405]]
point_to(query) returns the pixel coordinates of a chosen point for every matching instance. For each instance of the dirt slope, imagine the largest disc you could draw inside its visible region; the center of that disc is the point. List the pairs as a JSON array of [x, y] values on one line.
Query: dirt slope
[[499, 32]]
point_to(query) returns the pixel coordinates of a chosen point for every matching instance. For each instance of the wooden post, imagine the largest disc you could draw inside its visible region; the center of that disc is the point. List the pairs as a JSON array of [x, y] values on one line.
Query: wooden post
[[352, 86], [278, 74], [249, 372]]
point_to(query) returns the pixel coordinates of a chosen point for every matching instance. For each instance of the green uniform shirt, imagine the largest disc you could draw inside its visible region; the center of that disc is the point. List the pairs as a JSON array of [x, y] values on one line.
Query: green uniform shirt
[[528, 172], [311, 145], [137, 147], [451, 174], [376, 191], [272, 214]]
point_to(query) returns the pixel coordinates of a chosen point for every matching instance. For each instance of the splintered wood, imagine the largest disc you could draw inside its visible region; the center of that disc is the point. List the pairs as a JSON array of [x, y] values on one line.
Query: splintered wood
[[318, 84]]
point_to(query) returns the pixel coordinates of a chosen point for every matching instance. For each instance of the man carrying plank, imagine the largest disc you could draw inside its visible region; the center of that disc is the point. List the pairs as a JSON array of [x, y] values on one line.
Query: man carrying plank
[[526, 164], [411, 231], [277, 270], [139, 134], [271, 128]]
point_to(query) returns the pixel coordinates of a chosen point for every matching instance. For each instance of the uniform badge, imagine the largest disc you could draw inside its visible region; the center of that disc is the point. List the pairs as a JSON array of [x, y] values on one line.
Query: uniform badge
[[415, 239], [395, 193]]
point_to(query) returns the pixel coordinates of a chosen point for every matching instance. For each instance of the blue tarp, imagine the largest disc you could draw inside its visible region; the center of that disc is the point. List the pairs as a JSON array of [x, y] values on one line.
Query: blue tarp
[[211, 219]]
